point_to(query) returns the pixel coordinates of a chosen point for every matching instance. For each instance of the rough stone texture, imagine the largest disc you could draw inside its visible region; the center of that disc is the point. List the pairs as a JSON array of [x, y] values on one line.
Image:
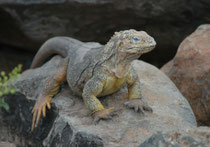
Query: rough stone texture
[[18, 121], [69, 122], [28, 23], [196, 137], [190, 71], [7, 136], [7, 144]]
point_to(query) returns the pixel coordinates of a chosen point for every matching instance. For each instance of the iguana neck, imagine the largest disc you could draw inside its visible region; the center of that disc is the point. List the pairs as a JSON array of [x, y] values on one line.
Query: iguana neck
[[120, 63], [117, 62]]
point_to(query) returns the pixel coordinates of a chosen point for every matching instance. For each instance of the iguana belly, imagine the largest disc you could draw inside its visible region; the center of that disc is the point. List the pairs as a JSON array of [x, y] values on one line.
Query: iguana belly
[[112, 85]]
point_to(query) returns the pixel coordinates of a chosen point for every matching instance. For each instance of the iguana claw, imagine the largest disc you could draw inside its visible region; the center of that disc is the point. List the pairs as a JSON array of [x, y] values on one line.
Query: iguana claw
[[40, 107], [139, 105], [105, 114]]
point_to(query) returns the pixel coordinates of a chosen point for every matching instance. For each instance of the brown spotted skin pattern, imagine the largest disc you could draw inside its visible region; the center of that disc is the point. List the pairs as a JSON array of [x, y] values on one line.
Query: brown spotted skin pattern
[[93, 70]]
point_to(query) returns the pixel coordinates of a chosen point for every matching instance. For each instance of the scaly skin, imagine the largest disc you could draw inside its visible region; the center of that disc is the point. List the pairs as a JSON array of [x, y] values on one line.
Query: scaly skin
[[107, 70]]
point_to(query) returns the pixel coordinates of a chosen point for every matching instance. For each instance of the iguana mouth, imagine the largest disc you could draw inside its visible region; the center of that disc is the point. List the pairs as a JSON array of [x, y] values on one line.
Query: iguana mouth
[[149, 47], [146, 49], [137, 50]]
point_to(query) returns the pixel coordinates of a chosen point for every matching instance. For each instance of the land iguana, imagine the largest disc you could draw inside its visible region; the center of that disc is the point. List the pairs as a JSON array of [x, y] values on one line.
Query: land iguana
[[93, 70]]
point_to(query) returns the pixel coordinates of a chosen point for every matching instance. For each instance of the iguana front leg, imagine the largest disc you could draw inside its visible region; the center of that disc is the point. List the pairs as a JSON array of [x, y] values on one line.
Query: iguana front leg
[[91, 90], [136, 101], [50, 88]]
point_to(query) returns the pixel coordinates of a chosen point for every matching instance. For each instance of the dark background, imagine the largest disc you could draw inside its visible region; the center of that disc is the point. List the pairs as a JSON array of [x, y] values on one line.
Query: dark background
[[26, 24]]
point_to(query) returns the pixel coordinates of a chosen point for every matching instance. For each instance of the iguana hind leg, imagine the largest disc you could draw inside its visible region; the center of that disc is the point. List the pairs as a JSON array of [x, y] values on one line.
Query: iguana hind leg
[[50, 88]]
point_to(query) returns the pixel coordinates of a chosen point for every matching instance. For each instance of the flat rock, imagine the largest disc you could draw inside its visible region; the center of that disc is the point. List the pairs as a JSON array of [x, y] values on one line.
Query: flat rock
[[69, 123], [190, 71]]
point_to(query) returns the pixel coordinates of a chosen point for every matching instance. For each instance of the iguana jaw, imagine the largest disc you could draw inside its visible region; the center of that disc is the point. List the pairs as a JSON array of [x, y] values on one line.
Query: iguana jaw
[[139, 50]]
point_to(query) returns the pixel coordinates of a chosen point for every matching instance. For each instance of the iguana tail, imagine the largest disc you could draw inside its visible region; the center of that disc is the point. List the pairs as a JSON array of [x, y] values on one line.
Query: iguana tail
[[56, 45]]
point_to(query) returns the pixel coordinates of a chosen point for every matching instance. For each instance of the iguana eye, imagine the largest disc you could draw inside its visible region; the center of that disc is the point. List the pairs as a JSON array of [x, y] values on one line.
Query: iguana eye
[[136, 39]]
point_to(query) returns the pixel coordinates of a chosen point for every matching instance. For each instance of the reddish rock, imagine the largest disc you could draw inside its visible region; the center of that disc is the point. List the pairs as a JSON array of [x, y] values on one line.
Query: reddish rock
[[190, 71]]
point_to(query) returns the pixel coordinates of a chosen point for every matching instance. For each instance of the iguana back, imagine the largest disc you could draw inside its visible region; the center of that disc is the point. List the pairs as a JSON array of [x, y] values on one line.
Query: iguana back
[[82, 62]]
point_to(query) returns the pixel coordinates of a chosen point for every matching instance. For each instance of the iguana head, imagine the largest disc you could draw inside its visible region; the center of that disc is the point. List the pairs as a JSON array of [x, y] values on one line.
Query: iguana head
[[124, 47], [135, 42]]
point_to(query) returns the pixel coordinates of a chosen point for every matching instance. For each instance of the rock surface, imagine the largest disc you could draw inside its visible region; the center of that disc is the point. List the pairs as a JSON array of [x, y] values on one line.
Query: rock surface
[[196, 137], [7, 144], [68, 122], [7, 138], [190, 71], [28, 23]]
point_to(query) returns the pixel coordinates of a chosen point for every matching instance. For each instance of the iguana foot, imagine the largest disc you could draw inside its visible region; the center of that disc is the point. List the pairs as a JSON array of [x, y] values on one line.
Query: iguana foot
[[40, 107], [139, 105], [104, 114]]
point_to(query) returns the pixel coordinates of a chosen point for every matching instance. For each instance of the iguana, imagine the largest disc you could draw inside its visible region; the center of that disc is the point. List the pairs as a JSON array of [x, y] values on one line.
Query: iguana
[[92, 70]]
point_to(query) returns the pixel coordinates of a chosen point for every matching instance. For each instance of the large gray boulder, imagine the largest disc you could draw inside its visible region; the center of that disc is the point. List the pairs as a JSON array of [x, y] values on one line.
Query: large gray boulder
[[69, 124], [28, 23]]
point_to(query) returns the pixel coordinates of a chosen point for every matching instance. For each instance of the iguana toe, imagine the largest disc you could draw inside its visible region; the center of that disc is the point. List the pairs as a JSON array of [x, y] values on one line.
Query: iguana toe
[[40, 108], [139, 105], [105, 114]]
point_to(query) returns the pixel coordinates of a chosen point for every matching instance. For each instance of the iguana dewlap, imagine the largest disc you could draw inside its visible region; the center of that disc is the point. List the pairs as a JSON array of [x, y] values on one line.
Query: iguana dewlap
[[94, 71]]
